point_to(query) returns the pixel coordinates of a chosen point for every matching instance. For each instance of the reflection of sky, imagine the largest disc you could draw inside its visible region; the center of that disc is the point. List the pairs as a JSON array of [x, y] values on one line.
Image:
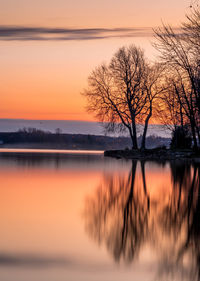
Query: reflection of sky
[[42, 230], [43, 235], [60, 161]]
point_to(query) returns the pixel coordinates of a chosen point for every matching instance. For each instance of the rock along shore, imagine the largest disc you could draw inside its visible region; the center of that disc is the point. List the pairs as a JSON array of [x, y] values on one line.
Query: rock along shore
[[153, 154]]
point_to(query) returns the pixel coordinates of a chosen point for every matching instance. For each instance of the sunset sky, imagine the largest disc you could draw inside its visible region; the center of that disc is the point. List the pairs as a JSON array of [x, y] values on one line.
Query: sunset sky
[[48, 48]]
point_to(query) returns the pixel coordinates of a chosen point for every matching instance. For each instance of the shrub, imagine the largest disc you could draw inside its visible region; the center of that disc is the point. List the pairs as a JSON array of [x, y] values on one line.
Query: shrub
[[181, 138]]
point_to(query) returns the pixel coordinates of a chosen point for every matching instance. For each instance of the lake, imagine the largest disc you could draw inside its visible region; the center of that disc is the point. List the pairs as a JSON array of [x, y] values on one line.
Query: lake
[[81, 216]]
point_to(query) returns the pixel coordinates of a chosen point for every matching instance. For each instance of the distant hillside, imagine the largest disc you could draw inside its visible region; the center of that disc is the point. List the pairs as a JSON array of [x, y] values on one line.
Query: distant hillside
[[33, 138], [72, 127]]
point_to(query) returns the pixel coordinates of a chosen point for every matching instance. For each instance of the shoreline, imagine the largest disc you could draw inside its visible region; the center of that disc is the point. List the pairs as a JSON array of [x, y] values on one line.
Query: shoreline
[[48, 146], [154, 154]]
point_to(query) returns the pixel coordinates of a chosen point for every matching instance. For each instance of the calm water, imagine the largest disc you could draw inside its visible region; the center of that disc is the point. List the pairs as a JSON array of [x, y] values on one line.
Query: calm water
[[85, 217]]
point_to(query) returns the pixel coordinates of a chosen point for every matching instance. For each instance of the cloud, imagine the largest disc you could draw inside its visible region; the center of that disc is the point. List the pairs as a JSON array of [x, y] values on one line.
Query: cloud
[[39, 261], [22, 33], [31, 261]]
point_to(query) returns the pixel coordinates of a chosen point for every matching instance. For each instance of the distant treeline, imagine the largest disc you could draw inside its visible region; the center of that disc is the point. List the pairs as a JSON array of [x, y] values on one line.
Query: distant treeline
[[34, 138]]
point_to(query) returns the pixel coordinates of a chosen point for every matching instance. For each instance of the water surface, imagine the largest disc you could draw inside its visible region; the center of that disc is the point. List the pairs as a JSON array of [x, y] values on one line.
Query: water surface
[[81, 216]]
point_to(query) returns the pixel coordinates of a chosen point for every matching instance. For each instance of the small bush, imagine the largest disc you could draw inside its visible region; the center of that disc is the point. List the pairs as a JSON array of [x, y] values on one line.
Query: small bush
[[181, 138]]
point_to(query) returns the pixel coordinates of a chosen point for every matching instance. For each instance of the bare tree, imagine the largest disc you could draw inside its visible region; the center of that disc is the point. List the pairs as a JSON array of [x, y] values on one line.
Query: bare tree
[[192, 30], [121, 94], [179, 50]]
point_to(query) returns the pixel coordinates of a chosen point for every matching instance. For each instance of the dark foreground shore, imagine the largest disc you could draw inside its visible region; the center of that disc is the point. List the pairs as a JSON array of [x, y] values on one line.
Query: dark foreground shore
[[154, 154]]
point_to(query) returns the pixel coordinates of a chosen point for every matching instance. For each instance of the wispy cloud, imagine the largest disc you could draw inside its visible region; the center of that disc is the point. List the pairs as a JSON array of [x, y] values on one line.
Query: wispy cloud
[[23, 33], [32, 261], [39, 261]]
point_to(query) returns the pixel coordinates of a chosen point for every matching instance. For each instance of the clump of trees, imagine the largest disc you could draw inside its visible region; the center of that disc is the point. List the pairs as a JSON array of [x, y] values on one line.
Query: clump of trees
[[130, 90], [180, 52]]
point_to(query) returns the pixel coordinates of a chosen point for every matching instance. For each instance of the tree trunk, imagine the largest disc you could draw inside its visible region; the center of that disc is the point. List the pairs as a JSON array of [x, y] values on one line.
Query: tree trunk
[[181, 115], [194, 134], [143, 144], [198, 134], [134, 136]]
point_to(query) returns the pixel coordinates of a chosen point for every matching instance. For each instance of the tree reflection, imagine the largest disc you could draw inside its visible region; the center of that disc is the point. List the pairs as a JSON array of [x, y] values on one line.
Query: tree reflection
[[118, 215], [123, 215], [182, 217], [179, 222]]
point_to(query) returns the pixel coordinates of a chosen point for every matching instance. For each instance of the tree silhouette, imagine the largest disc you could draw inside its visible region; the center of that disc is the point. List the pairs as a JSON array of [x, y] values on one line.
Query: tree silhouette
[[179, 51], [121, 94]]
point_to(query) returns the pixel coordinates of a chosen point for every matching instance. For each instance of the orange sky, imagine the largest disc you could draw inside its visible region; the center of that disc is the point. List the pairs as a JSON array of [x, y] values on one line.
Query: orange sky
[[42, 79]]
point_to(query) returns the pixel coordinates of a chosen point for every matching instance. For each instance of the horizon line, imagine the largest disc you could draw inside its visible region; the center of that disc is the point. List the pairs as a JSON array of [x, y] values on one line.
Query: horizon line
[[64, 120]]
